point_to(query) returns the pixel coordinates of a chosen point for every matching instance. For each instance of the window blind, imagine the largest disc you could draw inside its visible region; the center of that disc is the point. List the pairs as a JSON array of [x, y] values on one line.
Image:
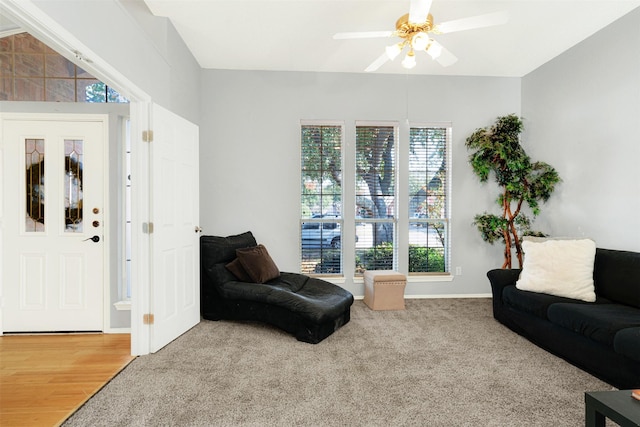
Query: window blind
[[321, 197], [428, 199], [375, 197]]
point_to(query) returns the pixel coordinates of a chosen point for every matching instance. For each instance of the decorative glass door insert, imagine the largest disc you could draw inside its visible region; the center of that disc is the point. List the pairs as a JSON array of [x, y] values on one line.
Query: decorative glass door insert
[[73, 185], [34, 160]]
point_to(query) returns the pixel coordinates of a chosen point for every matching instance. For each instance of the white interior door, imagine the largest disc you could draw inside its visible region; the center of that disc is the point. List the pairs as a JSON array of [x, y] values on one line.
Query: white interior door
[[175, 260], [53, 222]]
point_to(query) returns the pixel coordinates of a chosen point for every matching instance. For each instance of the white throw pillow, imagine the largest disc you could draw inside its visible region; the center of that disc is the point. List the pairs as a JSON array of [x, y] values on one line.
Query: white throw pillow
[[559, 267]]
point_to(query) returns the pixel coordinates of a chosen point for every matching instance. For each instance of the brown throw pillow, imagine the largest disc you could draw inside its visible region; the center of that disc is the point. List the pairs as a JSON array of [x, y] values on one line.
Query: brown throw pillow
[[235, 267], [258, 264]]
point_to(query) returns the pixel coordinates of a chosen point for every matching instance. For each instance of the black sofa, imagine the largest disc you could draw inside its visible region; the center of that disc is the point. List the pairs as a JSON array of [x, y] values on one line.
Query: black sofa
[[309, 308], [601, 337]]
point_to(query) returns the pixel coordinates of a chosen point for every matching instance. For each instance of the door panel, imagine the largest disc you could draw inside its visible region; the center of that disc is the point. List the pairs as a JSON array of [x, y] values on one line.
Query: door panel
[[175, 257], [53, 275]]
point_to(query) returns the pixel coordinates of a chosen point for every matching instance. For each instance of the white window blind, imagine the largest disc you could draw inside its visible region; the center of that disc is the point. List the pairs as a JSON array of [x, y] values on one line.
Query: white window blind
[[428, 199], [375, 190], [321, 197]]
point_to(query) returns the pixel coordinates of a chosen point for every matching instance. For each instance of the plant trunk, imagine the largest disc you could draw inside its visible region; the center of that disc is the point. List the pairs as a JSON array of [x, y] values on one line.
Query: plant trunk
[[507, 249], [516, 238], [506, 232], [517, 244]]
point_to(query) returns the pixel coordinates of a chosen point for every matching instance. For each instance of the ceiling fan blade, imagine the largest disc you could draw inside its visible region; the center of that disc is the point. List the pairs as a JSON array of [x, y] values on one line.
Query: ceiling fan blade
[[444, 57], [362, 35], [418, 11], [377, 63], [480, 21]]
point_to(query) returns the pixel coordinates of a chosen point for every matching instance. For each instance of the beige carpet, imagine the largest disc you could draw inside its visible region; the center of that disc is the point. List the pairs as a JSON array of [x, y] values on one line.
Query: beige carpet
[[440, 362]]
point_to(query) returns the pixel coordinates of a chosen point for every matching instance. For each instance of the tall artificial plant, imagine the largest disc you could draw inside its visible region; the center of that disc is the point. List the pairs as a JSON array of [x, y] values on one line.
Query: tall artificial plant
[[497, 151]]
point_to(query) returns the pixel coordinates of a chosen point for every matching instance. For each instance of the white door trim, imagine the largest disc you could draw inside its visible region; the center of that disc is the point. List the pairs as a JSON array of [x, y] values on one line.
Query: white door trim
[[140, 241]]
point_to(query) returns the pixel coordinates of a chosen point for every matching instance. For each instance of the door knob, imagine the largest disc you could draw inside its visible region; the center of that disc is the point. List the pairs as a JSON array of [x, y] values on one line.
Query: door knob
[[95, 239]]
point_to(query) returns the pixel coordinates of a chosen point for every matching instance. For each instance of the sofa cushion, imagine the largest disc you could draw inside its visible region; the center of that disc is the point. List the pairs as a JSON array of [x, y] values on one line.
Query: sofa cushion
[[559, 267], [536, 303], [258, 264], [599, 322], [236, 268], [627, 342], [617, 276]]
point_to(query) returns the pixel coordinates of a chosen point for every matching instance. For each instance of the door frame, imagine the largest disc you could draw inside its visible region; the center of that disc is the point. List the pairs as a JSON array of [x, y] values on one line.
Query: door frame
[[76, 118], [35, 21]]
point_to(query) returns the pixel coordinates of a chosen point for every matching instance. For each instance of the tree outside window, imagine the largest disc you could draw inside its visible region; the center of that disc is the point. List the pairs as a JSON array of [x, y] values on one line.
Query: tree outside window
[[321, 196], [375, 197], [374, 210]]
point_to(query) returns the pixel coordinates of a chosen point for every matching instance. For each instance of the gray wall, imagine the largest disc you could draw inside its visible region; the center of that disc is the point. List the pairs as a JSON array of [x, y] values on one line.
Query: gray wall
[[582, 112], [250, 152]]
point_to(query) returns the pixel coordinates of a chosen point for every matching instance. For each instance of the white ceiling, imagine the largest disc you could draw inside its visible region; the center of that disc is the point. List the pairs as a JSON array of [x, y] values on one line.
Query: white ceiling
[[296, 35]]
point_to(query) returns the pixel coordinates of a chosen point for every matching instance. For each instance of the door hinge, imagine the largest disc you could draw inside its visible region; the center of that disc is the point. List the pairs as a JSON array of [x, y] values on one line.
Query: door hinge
[[147, 319], [147, 135], [147, 227]]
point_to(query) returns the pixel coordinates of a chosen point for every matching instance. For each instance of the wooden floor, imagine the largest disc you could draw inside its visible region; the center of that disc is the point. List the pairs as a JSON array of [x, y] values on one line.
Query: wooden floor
[[45, 378]]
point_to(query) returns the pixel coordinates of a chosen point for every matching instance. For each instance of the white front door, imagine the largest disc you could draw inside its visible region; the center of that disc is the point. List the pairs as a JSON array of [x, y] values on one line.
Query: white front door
[[175, 251], [53, 222]]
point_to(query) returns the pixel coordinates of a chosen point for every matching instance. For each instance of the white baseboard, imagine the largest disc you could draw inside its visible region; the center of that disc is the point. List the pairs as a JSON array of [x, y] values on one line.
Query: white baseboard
[[440, 296], [448, 296]]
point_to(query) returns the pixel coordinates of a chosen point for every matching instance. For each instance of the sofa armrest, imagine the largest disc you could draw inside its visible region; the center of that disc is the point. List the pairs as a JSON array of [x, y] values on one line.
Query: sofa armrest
[[499, 279]]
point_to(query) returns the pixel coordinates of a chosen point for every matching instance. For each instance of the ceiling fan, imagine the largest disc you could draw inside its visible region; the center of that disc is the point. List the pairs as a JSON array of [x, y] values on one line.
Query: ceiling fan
[[415, 29]]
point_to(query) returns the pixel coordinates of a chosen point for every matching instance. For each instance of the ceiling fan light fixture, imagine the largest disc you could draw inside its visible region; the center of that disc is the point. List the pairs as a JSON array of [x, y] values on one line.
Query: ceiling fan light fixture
[[420, 41], [394, 50], [434, 50], [409, 61]]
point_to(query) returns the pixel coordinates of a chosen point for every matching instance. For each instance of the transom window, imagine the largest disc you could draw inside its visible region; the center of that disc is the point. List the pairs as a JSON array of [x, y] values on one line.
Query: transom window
[[32, 71]]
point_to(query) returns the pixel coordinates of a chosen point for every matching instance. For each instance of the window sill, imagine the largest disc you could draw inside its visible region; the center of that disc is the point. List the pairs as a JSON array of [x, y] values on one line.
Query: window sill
[[123, 305], [418, 278], [430, 278], [340, 280]]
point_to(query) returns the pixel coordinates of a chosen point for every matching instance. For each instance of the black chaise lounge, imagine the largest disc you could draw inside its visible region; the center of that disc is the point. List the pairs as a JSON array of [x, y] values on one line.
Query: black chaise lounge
[[309, 308]]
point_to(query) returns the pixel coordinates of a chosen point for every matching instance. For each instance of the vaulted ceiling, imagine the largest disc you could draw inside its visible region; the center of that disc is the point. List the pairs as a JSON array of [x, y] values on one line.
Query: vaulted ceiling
[[296, 35]]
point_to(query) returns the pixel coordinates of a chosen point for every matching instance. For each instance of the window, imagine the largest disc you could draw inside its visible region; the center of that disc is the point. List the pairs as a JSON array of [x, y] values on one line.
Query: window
[[321, 196], [400, 225], [428, 199], [375, 185], [31, 71]]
